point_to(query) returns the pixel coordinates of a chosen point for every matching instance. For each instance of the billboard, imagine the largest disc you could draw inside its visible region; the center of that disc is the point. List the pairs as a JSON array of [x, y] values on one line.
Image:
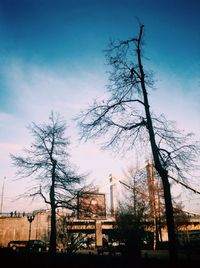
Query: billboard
[[91, 205]]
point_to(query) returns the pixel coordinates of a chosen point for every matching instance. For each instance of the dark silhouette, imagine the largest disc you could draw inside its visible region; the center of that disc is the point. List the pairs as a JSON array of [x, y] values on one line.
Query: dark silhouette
[[126, 120], [48, 161]]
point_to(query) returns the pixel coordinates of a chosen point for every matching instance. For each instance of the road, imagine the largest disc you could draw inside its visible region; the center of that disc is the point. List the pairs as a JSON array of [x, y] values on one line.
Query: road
[[157, 255]]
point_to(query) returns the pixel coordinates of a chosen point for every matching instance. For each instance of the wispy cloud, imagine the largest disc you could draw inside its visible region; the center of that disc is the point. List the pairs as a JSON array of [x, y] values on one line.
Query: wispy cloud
[[178, 98], [36, 90]]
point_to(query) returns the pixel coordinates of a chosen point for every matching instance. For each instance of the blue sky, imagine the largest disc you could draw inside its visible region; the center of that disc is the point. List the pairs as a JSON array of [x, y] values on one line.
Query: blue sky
[[51, 58]]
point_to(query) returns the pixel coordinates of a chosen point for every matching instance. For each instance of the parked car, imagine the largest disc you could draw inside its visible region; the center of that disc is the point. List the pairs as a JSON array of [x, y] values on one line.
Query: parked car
[[112, 249], [36, 246], [17, 245]]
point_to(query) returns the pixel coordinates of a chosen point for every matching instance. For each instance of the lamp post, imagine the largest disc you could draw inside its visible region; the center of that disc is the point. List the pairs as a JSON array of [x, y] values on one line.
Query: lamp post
[[30, 218]]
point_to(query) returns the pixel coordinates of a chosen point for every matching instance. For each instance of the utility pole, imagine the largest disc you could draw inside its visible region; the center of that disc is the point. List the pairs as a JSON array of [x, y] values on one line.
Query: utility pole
[[2, 195]]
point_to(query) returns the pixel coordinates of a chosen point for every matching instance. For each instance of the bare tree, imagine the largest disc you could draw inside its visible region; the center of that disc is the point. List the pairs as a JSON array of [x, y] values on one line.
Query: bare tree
[[136, 184], [47, 161], [68, 239], [125, 120], [131, 224], [145, 186]]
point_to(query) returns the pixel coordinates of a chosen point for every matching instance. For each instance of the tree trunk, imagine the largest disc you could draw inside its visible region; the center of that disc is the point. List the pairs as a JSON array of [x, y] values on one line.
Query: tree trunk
[[166, 186], [161, 171], [52, 246], [169, 214]]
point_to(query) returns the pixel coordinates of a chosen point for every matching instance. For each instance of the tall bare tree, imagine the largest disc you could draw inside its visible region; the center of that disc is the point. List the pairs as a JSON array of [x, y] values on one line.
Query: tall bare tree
[[125, 119], [131, 224], [47, 161]]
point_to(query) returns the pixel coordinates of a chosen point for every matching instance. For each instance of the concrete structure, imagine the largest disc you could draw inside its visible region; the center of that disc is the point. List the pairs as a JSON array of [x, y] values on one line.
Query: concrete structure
[[17, 227], [90, 226]]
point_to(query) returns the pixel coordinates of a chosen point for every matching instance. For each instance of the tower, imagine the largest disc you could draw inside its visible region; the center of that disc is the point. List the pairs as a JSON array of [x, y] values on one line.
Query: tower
[[112, 195]]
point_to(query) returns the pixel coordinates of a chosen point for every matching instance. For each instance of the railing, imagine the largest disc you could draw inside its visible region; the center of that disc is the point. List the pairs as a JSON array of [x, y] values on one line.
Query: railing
[[5, 214], [12, 214]]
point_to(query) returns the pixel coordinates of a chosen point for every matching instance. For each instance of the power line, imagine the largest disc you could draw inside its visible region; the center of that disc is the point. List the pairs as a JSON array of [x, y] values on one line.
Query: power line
[[145, 196], [182, 183], [185, 185], [134, 188], [190, 199]]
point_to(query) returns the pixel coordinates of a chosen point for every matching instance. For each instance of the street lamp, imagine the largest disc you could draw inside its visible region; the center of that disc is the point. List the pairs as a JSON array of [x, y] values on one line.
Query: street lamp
[[30, 218]]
